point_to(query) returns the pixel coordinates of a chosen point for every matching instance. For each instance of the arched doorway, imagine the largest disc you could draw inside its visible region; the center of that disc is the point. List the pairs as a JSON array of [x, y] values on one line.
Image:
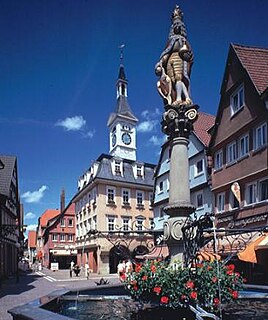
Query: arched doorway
[[117, 253]]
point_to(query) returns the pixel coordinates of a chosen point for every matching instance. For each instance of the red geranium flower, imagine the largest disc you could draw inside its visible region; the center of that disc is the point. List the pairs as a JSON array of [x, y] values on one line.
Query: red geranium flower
[[183, 297], [138, 268], [199, 265], [235, 294], [153, 268], [214, 279], [164, 299], [135, 288], [144, 278], [133, 282], [230, 272], [157, 290], [123, 277], [216, 301], [237, 274], [230, 267], [193, 295], [189, 284]]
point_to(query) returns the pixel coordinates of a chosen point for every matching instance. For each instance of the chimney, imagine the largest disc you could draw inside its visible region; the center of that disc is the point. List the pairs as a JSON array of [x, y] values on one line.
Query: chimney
[[62, 201]]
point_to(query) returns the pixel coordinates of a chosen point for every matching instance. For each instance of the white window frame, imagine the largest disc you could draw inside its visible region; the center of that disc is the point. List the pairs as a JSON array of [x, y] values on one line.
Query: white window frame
[[218, 160], [260, 136], [126, 223], [265, 180], [70, 237], [70, 225], [139, 223], [238, 94], [220, 203], [62, 237], [231, 154], [151, 198], [251, 194], [243, 147], [140, 195], [126, 196], [139, 170], [200, 193], [62, 222], [168, 184], [196, 173], [160, 186], [117, 167], [152, 224], [54, 237], [110, 194], [111, 222]]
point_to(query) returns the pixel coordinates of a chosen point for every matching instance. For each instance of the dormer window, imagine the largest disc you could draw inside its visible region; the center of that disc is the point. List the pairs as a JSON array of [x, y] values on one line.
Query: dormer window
[[139, 170], [117, 166], [237, 100]]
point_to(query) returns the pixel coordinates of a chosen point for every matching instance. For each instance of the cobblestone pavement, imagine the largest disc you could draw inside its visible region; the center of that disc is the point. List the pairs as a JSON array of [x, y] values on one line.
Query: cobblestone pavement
[[33, 285]]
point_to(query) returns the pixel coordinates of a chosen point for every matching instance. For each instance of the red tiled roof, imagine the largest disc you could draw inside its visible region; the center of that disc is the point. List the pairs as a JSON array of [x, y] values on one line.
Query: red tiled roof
[[202, 125], [32, 239], [47, 215], [255, 61]]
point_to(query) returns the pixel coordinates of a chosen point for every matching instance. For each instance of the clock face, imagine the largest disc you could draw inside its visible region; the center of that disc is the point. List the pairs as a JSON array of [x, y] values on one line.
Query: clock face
[[114, 140], [126, 138]]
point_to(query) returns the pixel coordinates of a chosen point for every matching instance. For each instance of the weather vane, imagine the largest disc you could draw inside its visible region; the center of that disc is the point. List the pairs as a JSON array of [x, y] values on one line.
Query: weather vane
[[121, 47]]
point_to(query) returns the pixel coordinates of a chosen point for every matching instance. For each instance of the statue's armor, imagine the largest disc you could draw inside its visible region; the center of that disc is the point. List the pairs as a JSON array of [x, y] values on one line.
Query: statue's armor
[[175, 67]]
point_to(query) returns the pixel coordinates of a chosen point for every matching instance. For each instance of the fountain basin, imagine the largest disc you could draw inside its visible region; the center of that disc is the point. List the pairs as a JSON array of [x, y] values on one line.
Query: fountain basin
[[112, 302]]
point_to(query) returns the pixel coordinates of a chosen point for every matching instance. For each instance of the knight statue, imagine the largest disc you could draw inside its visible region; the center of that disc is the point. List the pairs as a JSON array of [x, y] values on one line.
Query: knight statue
[[174, 66]]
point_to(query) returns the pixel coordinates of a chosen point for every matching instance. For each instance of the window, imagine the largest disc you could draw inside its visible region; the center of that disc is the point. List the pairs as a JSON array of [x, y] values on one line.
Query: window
[[94, 223], [70, 237], [231, 152], [218, 160], [54, 237], [126, 221], [140, 197], [70, 222], [117, 167], [160, 187], [263, 186], [167, 184], [199, 168], [151, 223], [251, 193], [233, 201], [139, 170], [62, 237], [139, 224], [110, 195], [220, 202], [151, 198], [237, 100], [125, 196], [62, 222], [199, 200], [243, 146], [111, 223], [260, 136]]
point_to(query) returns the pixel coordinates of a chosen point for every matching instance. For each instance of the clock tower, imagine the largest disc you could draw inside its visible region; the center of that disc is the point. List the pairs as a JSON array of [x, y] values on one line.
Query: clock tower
[[122, 123]]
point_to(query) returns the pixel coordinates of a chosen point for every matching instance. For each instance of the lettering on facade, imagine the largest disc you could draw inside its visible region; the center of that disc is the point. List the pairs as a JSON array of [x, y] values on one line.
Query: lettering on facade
[[244, 222]]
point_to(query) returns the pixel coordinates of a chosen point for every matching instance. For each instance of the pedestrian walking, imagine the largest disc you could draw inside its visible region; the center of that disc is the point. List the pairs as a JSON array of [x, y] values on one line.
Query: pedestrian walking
[[87, 270]]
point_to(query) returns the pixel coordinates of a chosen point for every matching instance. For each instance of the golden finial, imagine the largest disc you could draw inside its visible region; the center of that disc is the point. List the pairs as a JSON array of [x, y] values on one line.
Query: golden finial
[[177, 13]]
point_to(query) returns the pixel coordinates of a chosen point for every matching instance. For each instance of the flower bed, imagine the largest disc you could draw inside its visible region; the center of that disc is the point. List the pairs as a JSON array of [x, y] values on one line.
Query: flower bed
[[207, 284]]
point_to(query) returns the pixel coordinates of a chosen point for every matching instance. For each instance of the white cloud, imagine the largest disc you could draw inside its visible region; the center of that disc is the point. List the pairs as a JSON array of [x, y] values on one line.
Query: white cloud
[[34, 196], [29, 215], [157, 141], [147, 126], [90, 134], [75, 123]]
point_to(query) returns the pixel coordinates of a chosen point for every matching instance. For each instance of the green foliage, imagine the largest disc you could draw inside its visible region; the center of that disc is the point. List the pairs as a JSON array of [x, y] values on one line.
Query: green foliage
[[206, 284]]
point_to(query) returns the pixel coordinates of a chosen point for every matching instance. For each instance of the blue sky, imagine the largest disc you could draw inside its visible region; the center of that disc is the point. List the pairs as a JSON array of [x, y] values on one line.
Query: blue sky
[[59, 62]]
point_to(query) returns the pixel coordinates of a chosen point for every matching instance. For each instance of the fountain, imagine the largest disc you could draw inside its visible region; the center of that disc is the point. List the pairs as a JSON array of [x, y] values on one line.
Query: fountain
[[182, 234]]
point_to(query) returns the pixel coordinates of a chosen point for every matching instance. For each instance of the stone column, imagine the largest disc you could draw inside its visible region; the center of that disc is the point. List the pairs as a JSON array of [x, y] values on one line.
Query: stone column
[[179, 206]]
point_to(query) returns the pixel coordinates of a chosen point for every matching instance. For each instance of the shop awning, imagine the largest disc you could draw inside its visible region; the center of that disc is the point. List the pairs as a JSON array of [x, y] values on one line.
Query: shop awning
[[208, 256], [249, 254], [157, 253]]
